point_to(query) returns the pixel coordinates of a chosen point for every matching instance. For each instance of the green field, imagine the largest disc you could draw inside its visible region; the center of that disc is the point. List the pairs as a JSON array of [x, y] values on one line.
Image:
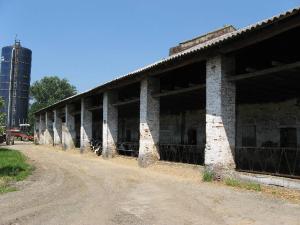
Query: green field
[[13, 167]]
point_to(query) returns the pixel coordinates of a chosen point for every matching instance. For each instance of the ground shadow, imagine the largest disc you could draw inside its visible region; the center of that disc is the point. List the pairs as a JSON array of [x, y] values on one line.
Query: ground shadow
[[11, 171]]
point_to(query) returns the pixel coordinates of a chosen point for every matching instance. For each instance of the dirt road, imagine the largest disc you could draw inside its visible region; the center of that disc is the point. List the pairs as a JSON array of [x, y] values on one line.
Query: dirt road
[[68, 188]]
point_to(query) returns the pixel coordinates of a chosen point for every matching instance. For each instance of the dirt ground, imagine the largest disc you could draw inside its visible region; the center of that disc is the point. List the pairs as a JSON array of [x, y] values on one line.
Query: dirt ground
[[69, 188]]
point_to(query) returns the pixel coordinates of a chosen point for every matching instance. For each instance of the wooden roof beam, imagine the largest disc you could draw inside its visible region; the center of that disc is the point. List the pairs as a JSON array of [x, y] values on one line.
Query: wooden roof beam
[[265, 72], [179, 91]]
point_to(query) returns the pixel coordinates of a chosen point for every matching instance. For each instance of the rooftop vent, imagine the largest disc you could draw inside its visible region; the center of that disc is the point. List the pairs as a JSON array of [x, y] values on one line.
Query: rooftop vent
[[201, 39]]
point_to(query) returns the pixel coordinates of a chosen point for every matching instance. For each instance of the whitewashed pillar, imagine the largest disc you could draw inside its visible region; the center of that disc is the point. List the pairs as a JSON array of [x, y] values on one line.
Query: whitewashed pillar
[[149, 122], [110, 125], [220, 114]]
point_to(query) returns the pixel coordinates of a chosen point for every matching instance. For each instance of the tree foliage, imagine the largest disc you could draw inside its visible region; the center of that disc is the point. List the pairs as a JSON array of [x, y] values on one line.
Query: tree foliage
[[51, 89], [48, 91]]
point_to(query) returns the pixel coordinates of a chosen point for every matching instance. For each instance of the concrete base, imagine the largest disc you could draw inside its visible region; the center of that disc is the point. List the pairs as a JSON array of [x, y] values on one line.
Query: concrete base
[[269, 180]]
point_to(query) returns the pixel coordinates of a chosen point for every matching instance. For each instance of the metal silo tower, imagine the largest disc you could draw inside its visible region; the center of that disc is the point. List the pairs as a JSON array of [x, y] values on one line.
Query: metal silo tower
[[15, 83]]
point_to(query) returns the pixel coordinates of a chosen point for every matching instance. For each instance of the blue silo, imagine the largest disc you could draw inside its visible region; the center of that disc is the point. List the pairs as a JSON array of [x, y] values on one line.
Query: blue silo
[[15, 82]]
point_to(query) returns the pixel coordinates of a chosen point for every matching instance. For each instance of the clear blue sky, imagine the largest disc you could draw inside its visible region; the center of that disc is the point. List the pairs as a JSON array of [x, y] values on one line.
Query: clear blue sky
[[92, 41]]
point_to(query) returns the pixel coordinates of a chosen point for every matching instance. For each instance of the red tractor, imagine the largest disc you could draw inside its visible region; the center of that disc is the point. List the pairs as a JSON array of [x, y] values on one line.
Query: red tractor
[[21, 133]]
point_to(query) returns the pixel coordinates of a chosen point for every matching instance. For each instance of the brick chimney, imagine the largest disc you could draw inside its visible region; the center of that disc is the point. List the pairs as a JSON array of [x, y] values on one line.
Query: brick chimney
[[201, 39]]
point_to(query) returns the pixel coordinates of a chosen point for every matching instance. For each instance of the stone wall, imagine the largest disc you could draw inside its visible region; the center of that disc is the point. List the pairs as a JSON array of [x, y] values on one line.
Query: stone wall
[[173, 125], [170, 127], [267, 119], [131, 124]]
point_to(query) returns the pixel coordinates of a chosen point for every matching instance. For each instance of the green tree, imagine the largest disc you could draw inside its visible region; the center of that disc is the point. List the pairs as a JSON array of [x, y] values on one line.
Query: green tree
[[48, 91]]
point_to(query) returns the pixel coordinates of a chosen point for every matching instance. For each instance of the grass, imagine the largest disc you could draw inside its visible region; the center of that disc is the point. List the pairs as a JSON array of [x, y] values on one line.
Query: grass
[[208, 176], [245, 185], [13, 167]]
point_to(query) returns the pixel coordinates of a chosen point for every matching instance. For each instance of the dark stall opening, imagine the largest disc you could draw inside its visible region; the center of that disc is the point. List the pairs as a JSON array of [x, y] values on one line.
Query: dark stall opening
[[77, 130], [268, 109], [129, 120], [182, 114]]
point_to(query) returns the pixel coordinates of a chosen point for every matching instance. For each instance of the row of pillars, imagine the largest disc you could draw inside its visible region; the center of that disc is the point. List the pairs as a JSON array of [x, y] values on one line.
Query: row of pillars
[[220, 120]]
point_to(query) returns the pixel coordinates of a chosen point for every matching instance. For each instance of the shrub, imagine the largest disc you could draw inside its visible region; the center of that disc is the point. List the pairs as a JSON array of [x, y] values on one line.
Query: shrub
[[208, 176]]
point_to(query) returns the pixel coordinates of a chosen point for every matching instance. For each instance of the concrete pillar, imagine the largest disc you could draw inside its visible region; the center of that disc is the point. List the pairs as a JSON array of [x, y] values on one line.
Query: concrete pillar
[[49, 129], [41, 130], [86, 127], [149, 122], [110, 125], [57, 128], [68, 131], [220, 114]]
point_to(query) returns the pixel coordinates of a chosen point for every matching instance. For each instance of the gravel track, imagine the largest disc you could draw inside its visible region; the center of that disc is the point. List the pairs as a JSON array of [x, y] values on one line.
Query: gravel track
[[68, 188]]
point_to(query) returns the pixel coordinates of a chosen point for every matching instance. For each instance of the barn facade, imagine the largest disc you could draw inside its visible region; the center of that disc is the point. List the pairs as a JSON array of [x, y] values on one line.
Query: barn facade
[[229, 99]]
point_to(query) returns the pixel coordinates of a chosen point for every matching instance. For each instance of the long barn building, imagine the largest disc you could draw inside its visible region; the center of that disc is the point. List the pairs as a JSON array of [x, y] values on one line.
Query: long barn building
[[228, 100]]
